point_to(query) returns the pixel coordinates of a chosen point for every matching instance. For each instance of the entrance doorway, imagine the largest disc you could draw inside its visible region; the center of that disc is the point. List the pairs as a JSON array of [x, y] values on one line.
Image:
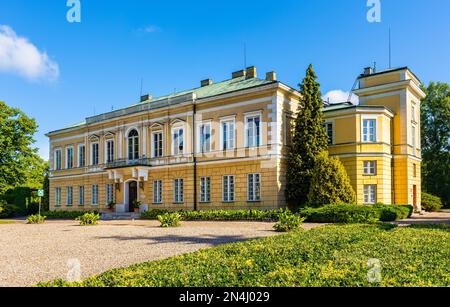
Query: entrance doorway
[[132, 195]]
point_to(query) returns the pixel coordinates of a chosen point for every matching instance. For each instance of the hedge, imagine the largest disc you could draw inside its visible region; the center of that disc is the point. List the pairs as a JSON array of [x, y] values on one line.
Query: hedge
[[431, 203], [219, 215], [63, 215]]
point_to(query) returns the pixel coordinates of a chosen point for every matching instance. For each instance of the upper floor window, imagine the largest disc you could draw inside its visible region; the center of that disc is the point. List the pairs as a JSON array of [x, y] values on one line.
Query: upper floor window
[[369, 134], [95, 154], [58, 159], [133, 145], [109, 151], [157, 138], [178, 141], [329, 131], [81, 156], [253, 131], [370, 168], [413, 114], [69, 157], [205, 138], [228, 135], [414, 138]]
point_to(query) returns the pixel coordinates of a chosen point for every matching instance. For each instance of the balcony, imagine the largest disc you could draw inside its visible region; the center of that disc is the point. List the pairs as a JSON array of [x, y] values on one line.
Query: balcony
[[128, 163]]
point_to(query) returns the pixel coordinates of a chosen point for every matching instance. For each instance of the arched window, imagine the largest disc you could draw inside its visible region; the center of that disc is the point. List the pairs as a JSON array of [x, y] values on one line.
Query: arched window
[[133, 145]]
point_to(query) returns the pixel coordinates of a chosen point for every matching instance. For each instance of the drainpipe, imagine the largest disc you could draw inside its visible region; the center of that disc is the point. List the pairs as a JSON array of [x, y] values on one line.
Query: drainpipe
[[392, 162], [194, 152]]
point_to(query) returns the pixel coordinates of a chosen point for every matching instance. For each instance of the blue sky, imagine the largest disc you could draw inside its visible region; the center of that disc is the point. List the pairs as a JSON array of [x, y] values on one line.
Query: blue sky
[[71, 70]]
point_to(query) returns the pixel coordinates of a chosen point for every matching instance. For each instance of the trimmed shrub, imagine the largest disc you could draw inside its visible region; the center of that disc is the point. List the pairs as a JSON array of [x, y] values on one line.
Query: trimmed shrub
[[219, 215], [169, 220], [287, 221], [36, 219], [391, 213], [64, 215], [88, 219], [344, 214], [7, 211], [431, 203]]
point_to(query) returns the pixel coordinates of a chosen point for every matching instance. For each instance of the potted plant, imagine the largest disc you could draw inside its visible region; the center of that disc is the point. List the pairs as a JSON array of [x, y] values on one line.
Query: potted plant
[[137, 205], [111, 206]]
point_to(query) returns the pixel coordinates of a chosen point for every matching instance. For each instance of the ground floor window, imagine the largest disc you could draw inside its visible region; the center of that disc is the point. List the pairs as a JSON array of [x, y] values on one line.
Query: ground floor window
[[205, 189], [95, 195], [157, 191], [58, 196], [81, 195], [370, 168], [109, 194], [254, 187], [69, 196], [228, 188], [370, 194], [178, 191]]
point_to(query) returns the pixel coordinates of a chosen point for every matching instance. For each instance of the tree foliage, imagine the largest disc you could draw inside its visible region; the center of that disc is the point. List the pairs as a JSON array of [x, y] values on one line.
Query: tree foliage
[[436, 140], [330, 183], [309, 140]]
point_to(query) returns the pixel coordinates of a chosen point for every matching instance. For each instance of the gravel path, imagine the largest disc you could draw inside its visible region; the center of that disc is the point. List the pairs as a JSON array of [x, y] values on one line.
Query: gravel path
[[35, 253], [427, 218]]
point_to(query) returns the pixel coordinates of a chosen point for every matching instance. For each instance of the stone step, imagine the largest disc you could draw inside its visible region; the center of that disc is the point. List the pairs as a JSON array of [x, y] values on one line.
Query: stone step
[[120, 216]]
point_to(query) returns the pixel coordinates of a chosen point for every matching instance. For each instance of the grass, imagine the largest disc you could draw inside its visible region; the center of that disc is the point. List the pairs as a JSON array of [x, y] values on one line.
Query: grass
[[3, 222], [333, 256]]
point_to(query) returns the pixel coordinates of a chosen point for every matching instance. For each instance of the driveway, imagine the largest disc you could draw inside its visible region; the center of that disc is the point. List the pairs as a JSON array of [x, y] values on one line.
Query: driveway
[[35, 253], [427, 218]]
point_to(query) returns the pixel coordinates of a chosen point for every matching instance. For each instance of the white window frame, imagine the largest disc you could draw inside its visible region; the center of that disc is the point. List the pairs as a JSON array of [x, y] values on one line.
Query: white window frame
[[158, 192], [369, 118], [79, 155], [258, 136], [81, 195], [414, 138], [327, 125], [161, 143], [254, 187], [109, 193], [205, 190], [58, 197], [108, 154], [127, 137], [178, 191], [94, 195], [228, 120], [370, 168], [200, 147], [370, 194], [176, 130], [92, 153], [228, 189], [58, 166], [72, 149], [69, 196], [413, 113]]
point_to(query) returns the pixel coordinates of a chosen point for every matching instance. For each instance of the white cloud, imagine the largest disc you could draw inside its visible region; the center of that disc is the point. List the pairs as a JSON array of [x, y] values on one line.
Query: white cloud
[[19, 56], [338, 96], [149, 29]]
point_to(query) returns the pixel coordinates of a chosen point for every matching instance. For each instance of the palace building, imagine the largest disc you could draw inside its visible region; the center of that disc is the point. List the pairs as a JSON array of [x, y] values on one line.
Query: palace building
[[224, 146]]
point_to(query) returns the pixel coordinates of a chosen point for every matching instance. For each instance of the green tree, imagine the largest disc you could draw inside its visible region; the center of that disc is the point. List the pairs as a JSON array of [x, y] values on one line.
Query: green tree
[[309, 140], [436, 140], [18, 159], [330, 183]]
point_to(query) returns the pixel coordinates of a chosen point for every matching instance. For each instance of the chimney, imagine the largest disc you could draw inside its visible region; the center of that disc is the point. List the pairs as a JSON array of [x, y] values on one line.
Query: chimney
[[146, 97], [271, 76], [206, 82], [238, 74], [251, 72], [368, 71]]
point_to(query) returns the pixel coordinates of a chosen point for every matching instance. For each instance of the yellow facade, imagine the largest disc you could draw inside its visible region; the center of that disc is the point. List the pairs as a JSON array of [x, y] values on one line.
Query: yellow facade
[[234, 140]]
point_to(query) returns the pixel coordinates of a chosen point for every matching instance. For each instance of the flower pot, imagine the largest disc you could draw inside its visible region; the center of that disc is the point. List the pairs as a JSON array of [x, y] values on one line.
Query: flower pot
[[136, 210]]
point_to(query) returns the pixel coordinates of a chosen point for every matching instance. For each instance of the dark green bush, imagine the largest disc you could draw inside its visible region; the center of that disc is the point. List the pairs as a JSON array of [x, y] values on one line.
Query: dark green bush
[[63, 215], [219, 215], [431, 203], [345, 214], [391, 213], [7, 211], [33, 209]]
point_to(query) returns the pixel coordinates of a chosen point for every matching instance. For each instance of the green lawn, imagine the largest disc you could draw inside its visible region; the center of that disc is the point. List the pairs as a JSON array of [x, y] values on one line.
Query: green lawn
[[327, 256], [6, 222]]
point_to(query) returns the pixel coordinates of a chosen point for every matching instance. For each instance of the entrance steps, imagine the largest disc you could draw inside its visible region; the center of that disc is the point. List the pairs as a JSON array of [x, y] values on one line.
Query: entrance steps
[[110, 216]]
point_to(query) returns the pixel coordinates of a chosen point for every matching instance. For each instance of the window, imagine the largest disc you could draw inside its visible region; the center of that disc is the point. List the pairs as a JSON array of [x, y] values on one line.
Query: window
[[95, 154], [69, 196], [109, 193], [370, 168], [253, 131], [413, 114], [157, 144], [228, 135], [95, 195], [414, 170], [69, 157], [157, 192], [370, 194], [58, 159], [58, 197], [81, 195], [205, 189], [414, 139], [133, 145], [228, 189], [205, 138], [178, 191], [81, 156], [109, 151], [369, 130], [329, 130], [254, 187], [178, 141]]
